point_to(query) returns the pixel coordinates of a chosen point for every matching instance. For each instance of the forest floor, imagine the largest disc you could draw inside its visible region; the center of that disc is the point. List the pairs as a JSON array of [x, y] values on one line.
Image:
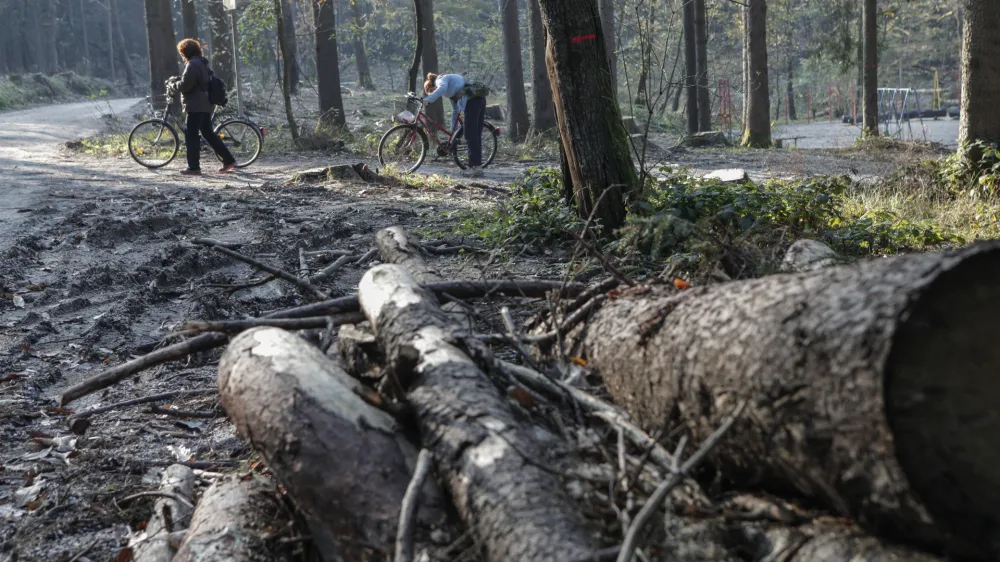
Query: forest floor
[[96, 266]]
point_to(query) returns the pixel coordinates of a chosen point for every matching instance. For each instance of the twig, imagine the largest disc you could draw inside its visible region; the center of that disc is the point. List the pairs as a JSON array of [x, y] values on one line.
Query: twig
[[679, 473], [203, 414], [408, 510], [604, 260], [303, 264], [158, 494], [301, 283], [569, 323], [240, 286], [333, 268], [371, 254], [330, 253], [125, 370], [457, 289], [515, 338], [143, 400], [596, 406], [212, 242], [85, 550], [309, 323], [446, 250]]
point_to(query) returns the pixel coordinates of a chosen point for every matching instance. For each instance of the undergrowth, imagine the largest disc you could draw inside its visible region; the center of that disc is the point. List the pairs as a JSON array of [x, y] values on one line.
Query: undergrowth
[[18, 90], [702, 225]]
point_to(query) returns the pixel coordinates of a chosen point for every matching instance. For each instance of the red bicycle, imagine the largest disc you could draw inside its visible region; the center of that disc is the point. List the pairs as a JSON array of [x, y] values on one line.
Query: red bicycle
[[406, 145]]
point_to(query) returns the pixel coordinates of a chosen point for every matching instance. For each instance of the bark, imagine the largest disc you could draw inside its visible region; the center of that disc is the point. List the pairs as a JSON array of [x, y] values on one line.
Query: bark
[[607, 8], [49, 37], [595, 143], [429, 55], [869, 127], [231, 521], [341, 460], [286, 69], [171, 513], [289, 47], [790, 93], [844, 369], [120, 43], [758, 122], [222, 42], [161, 47], [189, 19], [691, 67], [488, 460], [414, 73], [544, 110], [980, 118], [701, 40], [360, 54], [517, 101], [331, 101], [111, 39]]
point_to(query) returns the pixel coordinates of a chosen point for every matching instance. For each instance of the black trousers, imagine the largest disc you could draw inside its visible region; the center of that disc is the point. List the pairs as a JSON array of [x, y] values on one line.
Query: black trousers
[[199, 125], [475, 120]]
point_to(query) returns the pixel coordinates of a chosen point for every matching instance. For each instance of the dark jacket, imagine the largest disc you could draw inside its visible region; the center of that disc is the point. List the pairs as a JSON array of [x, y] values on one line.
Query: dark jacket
[[194, 86]]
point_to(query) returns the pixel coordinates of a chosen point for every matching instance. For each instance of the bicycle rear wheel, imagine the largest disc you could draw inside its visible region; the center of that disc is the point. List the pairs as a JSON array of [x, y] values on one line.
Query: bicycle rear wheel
[[404, 147], [490, 135], [153, 143], [243, 139]]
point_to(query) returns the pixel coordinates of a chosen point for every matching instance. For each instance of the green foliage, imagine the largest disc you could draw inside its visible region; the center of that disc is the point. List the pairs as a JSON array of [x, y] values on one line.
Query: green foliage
[[973, 170], [536, 213], [700, 224]]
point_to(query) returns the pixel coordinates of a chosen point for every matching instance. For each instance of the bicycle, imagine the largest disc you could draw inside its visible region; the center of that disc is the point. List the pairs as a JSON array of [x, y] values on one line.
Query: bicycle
[[154, 143], [408, 143]]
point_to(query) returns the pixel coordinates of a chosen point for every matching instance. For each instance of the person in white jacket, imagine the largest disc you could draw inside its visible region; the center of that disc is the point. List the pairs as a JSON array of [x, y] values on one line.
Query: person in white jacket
[[452, 86]]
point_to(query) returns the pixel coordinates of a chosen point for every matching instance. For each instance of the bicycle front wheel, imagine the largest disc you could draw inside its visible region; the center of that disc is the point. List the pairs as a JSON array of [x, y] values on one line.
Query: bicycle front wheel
[[153, 143], [490, 135], [243, 139], [404, 147]]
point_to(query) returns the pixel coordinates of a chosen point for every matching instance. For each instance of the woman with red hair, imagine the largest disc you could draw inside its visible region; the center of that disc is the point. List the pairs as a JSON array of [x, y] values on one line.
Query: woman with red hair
[[193, 87]]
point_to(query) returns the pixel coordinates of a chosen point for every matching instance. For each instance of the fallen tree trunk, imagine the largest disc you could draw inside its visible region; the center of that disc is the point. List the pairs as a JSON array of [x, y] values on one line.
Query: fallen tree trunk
[[873, 388], [171, 513], [231, 522], [341, 459], [489, 461]]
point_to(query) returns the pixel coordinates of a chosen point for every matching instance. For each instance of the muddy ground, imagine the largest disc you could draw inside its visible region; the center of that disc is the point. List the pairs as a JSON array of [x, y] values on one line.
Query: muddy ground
[[96, 266]]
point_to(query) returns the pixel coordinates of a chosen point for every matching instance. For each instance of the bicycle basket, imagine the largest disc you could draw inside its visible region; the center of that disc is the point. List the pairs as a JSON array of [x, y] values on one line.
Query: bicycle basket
[[413, 106]]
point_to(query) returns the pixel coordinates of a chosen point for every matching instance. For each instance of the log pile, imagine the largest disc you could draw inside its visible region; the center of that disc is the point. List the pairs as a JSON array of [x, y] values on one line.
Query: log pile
[[840, 413]]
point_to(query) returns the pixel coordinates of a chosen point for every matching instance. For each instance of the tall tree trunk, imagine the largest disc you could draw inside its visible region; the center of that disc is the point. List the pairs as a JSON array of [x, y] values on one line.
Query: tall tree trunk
[[289, 49], [870, 120], [642, 96], [544, 114], [360, 55], [980, 72], [286, 70], [596, 145], [113, 66], [607, 8], [222, 42], [331, 103], [120, 44], [871, 388], [745, 13], [790, 92], [758, 122], [160, 45], [418, 50], [701, 40], [50, 34], [691, 66], [517, 102], [429, 55], [189, 19]]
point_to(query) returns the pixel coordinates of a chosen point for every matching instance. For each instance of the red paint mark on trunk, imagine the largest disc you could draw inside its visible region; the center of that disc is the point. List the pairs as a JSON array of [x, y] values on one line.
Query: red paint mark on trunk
[[583, 38]]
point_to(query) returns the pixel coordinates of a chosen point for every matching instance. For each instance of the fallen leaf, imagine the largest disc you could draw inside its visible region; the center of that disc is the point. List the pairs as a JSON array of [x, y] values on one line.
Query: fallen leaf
[[18, 301], [578, 361], [25, 496], [681, 284]]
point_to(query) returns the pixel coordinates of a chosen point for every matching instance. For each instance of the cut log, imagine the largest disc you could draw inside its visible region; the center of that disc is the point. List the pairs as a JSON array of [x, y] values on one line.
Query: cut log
[[708, 139], [398, 247], [808, 255], [729, 175], [873, 387], [171, 513], [495, 113], [341, 459], [488, 459], [631, 125], [231, 522]]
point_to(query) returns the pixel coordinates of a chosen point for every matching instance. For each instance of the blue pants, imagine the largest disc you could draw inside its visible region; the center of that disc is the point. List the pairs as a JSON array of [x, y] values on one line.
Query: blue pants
[[198, 125], [475, 120]]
